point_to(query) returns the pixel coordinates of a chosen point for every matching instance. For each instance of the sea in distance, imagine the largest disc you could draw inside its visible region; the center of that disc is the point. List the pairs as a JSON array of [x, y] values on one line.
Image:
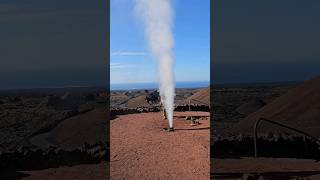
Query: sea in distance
[[136, 86]]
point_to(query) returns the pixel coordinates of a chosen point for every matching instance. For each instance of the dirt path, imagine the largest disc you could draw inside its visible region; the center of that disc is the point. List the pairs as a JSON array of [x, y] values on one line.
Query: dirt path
[[140, 149]]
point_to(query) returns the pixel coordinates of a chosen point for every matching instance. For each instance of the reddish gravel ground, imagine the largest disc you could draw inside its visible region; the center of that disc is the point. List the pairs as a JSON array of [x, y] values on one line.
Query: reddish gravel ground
[[140, 149], [79, 172], [249, 165], [295, 168]]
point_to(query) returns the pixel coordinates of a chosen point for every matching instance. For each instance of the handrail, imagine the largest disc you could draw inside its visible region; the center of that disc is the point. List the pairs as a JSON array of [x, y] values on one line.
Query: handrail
[[255, 135]]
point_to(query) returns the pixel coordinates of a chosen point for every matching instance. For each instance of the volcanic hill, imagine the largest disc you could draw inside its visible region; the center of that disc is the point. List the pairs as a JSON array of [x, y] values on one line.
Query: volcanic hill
[[299, 108]]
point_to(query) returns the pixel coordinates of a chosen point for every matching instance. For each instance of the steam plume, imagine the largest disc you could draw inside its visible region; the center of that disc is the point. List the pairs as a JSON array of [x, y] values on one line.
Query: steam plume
[[157, 16]]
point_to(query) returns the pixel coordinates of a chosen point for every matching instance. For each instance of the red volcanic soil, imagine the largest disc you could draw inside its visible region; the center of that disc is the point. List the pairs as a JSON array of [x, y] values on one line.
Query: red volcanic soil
[[140, 149], [263, 165], [281, 167], [299, 108], [90, 127], [200, 97], [138, 102], [79, 172]]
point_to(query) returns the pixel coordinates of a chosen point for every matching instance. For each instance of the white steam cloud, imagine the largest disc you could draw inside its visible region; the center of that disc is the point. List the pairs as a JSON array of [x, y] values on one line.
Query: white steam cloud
[[157, 16]]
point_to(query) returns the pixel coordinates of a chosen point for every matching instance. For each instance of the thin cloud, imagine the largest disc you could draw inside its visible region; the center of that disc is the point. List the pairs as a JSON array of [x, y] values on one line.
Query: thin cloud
[[127, 53], [118, 66]]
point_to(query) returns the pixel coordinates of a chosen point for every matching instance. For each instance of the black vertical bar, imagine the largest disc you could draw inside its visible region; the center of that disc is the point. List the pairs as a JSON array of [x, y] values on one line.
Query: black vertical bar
[[108, 83]]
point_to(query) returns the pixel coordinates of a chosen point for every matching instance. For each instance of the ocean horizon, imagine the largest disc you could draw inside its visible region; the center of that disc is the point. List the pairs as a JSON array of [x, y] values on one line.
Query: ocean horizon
[[133, 86]]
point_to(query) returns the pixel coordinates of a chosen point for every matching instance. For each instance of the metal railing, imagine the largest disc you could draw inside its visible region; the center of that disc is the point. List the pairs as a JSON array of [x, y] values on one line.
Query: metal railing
[[255, 133]]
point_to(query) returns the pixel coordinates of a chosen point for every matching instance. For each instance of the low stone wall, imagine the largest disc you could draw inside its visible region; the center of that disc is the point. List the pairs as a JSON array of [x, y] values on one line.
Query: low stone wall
[[193, 108], [123, 111], [281, 147], [26, 158]]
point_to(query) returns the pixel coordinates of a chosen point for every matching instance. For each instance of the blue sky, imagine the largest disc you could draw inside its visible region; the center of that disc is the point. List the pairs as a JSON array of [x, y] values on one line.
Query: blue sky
[[52, 43], [265, 41], [130, 60]]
